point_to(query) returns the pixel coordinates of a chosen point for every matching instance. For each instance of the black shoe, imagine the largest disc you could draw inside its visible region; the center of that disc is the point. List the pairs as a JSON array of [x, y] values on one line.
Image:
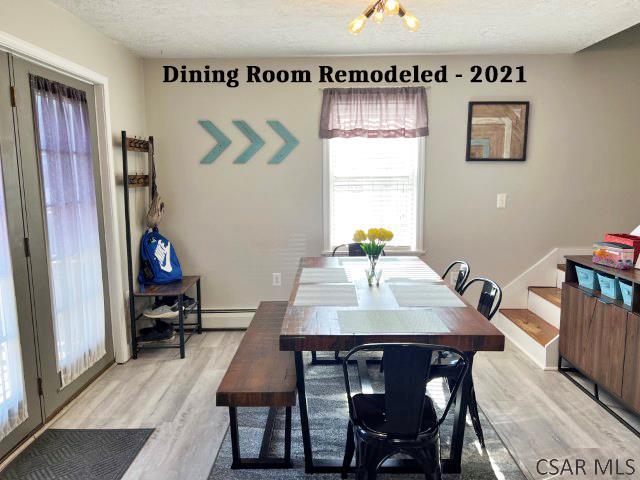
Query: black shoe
[[188, 301], [162, 326], [151, 334]]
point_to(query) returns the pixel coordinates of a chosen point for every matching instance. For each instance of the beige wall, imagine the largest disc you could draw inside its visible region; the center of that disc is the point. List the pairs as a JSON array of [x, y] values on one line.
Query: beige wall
[[236, 224], [48, 26]]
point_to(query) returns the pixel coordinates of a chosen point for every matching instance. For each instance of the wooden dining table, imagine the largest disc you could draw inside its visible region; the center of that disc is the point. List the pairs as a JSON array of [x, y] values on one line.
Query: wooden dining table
[[317, 328]]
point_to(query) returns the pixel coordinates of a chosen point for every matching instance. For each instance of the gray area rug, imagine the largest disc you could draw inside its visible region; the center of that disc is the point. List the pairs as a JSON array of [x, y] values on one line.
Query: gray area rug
[[328, 414], [78, 455]]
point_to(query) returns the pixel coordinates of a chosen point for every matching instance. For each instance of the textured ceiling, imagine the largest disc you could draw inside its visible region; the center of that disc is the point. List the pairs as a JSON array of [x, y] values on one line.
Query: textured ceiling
[[264, 28]]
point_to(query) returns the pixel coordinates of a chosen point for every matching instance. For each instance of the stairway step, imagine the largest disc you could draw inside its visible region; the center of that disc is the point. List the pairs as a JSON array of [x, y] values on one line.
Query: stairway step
[[534, 326], [552, 294], [562, 266]]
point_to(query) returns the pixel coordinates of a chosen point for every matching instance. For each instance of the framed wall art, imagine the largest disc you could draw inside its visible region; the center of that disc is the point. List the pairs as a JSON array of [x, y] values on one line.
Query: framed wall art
[[497, 131]]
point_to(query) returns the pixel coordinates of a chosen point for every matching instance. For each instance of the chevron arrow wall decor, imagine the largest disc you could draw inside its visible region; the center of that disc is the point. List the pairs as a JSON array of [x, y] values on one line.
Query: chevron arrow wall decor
[[221, 138], [257, 142], [291, 142]]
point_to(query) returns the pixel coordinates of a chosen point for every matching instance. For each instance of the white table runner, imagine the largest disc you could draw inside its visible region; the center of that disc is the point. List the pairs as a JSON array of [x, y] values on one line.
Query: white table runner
[[390, 321], [330, 294], [323, 275], [412, 294]]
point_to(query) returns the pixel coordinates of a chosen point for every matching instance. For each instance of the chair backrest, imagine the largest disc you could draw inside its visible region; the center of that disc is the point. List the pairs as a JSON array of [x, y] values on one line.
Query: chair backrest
[[354, 250], [490, 296], [406, 370], [463, 273]]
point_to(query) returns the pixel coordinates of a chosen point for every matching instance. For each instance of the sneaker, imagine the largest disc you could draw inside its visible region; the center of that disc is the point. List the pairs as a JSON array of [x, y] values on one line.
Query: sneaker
[[161, 326], [152, 334], [188, 301], [162, 310]]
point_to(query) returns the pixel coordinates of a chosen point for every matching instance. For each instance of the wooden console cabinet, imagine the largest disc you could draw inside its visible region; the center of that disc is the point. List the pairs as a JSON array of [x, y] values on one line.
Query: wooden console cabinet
[[600, 336]]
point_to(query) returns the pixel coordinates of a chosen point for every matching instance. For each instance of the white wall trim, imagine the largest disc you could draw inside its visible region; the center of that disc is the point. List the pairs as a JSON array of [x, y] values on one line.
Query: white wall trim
[[326, 197], [45, 58], [422, 186], [543, 273]]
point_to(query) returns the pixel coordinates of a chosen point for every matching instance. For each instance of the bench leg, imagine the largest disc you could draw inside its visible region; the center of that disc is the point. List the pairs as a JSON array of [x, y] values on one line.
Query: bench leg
[[263, 460], [235, 440]]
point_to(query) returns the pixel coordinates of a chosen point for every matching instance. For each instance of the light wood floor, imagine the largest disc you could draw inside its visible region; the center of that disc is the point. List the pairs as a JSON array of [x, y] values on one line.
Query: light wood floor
[[541, 414], [176, 397], [538, 414]]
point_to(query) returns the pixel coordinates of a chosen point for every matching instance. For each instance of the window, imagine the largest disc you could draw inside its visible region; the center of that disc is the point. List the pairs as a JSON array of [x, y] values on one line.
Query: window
[[374, 182]]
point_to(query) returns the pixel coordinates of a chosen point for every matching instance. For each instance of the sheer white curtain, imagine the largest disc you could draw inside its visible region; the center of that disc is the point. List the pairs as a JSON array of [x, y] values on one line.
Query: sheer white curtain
[[73, 244], [13, 404]]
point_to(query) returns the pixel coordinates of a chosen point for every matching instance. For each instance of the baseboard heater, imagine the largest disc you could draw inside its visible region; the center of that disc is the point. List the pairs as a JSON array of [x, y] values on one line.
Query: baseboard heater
[[225, 319]]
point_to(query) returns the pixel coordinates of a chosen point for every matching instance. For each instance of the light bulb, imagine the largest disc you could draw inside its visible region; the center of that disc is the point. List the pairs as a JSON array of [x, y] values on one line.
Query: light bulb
[[411, 22], [356, 26], [392, 7], [378, 17]]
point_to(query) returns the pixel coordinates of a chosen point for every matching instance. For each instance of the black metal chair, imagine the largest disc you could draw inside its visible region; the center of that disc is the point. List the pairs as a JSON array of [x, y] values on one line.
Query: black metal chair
[[490, 296], [463, 273], [354, 250], [488, 304], [402, 420]]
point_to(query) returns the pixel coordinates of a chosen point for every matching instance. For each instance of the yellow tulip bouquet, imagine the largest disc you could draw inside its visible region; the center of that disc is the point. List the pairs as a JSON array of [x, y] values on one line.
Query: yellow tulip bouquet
[[372, 244]]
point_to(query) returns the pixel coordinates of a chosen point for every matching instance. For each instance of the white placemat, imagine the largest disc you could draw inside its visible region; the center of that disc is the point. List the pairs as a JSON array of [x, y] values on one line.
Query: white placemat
[[327, 294], [323, 275], [424, 295], [390, 321]]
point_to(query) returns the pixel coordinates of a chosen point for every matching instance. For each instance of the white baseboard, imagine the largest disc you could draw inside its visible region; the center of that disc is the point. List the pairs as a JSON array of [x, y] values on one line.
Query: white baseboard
[[544, 273], [227, 320]]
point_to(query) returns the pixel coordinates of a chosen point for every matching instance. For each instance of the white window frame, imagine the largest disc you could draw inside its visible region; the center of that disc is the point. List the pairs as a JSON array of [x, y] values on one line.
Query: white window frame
[[420, 197]]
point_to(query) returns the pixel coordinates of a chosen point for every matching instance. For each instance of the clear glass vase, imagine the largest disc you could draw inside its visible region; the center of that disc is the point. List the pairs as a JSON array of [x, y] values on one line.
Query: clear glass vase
[[373, 273]]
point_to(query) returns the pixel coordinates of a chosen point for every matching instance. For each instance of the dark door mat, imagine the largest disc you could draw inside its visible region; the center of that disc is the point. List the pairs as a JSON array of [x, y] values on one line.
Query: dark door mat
[[78, 455]]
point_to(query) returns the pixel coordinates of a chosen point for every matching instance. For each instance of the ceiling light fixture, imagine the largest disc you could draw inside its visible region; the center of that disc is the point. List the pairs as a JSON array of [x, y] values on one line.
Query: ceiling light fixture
[[378, 10]]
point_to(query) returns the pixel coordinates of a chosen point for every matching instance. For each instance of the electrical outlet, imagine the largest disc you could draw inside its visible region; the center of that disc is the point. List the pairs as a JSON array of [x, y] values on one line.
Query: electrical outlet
[[277, 279], [502, 200]]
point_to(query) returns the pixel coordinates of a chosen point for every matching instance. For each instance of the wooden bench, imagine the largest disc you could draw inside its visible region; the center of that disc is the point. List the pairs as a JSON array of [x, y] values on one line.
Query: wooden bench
[[260, 375]]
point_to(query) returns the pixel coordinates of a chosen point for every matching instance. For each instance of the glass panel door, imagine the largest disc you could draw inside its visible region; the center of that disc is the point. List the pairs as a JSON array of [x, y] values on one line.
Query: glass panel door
[[13, 404], [58, 145], [65, 159], [20, 407]]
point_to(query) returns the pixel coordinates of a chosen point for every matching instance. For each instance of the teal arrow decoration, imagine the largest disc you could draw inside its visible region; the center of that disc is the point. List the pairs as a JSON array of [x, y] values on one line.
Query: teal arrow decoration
[[221, 138], [291, 142], [256, 141]]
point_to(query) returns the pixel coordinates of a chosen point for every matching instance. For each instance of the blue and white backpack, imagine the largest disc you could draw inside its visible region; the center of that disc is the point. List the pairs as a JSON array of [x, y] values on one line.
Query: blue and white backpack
[[158, 260]]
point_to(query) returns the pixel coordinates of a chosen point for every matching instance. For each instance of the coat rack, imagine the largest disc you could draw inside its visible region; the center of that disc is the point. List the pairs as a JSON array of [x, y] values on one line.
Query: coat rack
[[175, 289]]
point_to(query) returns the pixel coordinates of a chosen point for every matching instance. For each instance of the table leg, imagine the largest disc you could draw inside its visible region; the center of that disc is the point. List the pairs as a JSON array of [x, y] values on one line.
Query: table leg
[[454, 463], [199, 306], [304, 414], [181, 323]]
